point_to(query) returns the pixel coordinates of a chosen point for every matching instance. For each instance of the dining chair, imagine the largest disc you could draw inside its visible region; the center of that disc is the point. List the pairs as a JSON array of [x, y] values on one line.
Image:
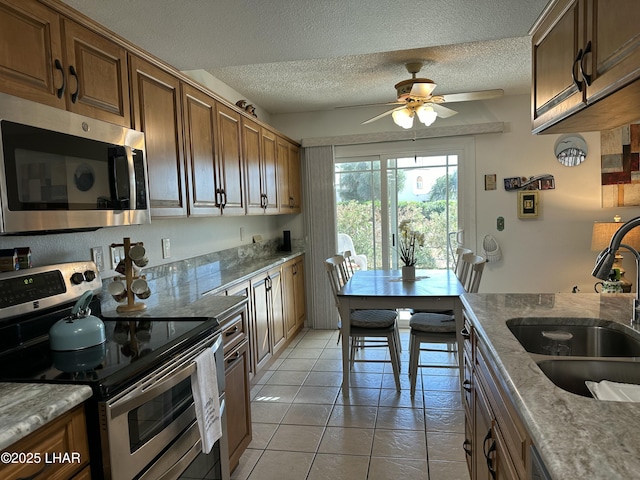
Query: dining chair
[[429, 327], [369, 328]]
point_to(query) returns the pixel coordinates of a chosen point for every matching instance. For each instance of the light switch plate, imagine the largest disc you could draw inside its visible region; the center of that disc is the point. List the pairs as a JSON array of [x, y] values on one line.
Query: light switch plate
[[116, 254]]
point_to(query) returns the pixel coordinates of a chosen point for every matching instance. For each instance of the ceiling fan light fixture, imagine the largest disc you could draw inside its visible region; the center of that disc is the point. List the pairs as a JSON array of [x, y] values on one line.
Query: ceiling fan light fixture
[[426, 114], [422, 88], [403, 118]]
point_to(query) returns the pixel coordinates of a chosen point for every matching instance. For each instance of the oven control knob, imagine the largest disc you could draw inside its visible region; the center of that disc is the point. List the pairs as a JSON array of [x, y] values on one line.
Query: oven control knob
[[90, 275], [77, 278]]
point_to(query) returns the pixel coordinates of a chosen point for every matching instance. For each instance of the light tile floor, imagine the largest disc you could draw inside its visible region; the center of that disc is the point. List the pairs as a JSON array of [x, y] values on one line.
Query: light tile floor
[[304, 429]]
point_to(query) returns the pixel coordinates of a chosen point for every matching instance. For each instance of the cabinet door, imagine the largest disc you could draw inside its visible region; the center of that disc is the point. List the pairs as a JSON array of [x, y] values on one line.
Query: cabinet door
[[299, 293], [251, 141], [260, 321], [295, 191], [276, 298], [269, 171], [288, 156], [97, 75], [482, 458], [157, 112], [614, 45], [230, 162], [200, 152], [237, 391], [31, 62], [288, 287], [556, 44]]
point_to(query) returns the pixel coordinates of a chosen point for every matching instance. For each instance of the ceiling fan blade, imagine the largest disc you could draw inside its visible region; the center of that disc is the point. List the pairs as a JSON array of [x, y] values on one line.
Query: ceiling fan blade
[[442, 111], [469, 96], [388, 112], [369, 105]]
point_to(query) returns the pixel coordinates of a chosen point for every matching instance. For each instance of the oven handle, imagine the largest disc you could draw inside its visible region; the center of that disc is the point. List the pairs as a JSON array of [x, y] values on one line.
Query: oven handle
[[149, 388]]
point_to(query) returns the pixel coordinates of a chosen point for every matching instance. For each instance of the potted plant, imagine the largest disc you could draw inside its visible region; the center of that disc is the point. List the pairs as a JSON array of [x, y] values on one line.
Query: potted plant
[[408, 241]]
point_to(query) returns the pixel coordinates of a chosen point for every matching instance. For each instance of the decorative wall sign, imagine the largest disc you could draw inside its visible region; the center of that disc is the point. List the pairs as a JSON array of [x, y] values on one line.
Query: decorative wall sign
[[544, 181], [620, 151], [528, 204], [490, 182]]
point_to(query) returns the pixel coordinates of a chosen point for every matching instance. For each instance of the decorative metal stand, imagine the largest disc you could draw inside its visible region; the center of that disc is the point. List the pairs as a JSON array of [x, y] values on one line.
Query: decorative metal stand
[[129, 277]]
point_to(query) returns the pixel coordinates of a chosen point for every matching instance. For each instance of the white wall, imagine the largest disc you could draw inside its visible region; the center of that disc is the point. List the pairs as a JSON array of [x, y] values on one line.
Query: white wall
[[547, 254]]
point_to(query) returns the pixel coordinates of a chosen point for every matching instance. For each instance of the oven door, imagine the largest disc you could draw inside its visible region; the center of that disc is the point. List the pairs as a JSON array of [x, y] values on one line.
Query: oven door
[[141, 423]]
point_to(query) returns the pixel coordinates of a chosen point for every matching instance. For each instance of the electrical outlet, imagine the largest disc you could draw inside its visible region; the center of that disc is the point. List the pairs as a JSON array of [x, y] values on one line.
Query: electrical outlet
[[117, 254], [166, 248], [97, 256], [241, 234]]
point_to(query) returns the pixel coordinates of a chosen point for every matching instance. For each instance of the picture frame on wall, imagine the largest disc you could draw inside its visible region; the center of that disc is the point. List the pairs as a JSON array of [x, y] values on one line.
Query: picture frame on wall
[[528, 204], [512, 183]]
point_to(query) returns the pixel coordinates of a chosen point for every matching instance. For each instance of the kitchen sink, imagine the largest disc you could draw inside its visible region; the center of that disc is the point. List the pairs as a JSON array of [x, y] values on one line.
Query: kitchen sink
[[575, 337], [570, 375]]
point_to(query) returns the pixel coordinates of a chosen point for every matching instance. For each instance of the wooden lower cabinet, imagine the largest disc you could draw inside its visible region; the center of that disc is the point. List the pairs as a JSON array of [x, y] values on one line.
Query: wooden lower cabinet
[[235, 336], [65, 434], [295, 308], [496, 443]]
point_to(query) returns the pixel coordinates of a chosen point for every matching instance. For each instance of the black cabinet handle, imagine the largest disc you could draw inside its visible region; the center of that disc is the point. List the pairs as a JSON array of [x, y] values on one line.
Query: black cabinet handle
[[578, 83], [218, 198], [467, 385], [488, 452], [466, 446], [233, 358], [585, 76], [74, 95], [224, 198], [232, 332], [465, 333], [58, 66]]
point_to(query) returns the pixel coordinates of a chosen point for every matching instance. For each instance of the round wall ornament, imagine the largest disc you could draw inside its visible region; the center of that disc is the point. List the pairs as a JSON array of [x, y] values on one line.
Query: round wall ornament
[[571, 150]]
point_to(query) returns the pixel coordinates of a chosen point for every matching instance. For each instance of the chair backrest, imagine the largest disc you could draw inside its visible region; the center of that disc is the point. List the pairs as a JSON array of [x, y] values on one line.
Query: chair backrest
[[476, 265], [348, 263], [337, 274], [461, 266], [345, 242]]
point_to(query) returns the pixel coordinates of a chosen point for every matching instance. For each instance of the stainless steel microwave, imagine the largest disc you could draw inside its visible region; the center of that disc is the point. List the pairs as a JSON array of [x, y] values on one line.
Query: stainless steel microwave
[[64, 171]]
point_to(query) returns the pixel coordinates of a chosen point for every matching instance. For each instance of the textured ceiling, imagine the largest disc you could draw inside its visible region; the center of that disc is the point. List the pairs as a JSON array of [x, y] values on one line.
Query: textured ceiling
[[308, 55]]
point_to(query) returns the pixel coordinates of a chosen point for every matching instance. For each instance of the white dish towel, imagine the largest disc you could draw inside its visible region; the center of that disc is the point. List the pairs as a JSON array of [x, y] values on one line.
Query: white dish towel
[[619, 392], [204, 384]]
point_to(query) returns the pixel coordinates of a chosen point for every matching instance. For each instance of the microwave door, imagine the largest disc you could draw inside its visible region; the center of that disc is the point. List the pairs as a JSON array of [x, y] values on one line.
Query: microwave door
[[121, 177]]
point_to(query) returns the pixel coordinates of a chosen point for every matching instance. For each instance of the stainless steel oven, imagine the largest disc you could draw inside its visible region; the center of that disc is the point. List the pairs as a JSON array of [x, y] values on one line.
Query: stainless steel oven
[[141, 420], [138, 424]]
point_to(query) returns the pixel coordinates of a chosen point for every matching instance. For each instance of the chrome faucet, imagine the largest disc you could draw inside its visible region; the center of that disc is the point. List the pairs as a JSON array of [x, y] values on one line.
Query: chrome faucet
[[605, 260]]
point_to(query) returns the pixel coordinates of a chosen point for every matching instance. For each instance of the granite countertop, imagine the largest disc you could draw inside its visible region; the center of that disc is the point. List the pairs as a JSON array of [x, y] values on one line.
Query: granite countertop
[[194, 291], [576, 436], [25, 407]]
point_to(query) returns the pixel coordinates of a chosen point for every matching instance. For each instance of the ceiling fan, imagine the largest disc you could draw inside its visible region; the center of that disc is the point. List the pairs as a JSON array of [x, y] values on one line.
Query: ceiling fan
[[415, 97]]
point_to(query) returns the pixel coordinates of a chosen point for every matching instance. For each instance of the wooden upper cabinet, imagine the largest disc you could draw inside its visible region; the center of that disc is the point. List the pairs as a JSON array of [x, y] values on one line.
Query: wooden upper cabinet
[[98, 84], [261, 168], [58, 62], [251, 143], [230, 160], [556, 86], [586, 51], [269, 181], [200, 152], [31, 54], [614, 34], [157, 112], [288, 155]]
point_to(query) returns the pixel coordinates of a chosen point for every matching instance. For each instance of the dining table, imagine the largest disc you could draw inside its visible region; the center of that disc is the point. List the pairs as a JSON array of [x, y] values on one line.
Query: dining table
[[432, 289]]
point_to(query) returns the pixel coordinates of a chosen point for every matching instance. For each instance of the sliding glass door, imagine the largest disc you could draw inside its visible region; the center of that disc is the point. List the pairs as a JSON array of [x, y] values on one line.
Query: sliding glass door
[[375, 194]]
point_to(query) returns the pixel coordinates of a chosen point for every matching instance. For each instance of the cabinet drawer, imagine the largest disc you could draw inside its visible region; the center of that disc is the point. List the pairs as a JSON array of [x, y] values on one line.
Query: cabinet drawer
[[234, 331], [511, 427]]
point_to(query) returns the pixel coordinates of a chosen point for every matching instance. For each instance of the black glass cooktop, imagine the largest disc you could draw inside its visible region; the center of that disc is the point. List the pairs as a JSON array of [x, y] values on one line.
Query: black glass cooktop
[[133, 347]]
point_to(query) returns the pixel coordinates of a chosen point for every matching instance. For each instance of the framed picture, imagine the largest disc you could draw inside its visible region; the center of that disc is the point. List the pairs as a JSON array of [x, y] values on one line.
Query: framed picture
[[546, 184], [512, 183], [528, 204], [490, 182]]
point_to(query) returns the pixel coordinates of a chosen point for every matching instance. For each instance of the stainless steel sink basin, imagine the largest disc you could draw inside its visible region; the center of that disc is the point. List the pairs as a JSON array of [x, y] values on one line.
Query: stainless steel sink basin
[[570, 375], [584, 337]]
